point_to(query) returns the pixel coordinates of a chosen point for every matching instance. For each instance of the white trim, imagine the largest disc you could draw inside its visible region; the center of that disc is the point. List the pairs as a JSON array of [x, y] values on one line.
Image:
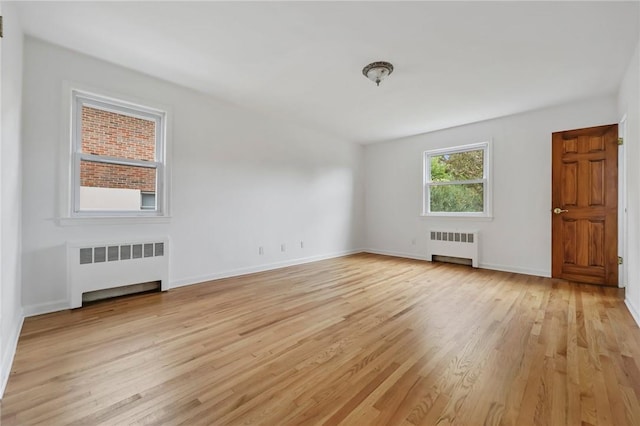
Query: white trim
[[396, 254], [118, 105], [46, 308], [118, 161], [623, 270], [457, 149], [516, 270], [635, 313], [458, 217], [9, 353], [66, 160], [486, 180], [112, 220], [493, 267], [260, 268]]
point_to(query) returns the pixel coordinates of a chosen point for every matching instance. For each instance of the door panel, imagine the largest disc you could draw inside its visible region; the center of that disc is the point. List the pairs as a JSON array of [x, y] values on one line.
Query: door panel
[[596, 174], [585, 195], [570, 183]]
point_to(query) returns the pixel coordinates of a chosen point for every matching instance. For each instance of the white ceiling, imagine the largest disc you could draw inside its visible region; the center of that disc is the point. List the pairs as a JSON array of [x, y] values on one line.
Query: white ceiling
[[455, 62]]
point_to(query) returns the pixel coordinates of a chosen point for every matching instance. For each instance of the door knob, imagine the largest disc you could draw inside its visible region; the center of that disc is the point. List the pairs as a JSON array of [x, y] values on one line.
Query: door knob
[[558, 210]]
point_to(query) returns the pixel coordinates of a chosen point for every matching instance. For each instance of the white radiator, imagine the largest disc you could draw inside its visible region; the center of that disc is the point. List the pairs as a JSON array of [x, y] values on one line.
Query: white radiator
[[104, 265], [453, 244]]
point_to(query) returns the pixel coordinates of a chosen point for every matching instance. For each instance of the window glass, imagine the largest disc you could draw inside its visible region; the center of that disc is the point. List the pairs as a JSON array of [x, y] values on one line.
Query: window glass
[[458, 166], [105, 186], [464, 198], [456, 181]]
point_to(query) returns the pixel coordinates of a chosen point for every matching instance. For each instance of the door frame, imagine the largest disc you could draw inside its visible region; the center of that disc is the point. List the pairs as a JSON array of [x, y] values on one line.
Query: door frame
[[622, 203]]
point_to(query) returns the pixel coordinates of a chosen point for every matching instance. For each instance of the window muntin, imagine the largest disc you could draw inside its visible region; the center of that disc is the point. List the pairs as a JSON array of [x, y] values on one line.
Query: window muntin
[[118, 158], [456, 181]]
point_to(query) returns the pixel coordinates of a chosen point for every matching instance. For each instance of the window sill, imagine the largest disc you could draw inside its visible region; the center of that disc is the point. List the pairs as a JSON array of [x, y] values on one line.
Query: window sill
[[456, 217], [112, 220]]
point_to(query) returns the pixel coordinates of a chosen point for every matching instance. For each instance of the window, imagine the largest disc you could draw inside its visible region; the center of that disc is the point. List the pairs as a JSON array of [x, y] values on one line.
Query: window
[[148, 201], [456, 181], [118, 164]]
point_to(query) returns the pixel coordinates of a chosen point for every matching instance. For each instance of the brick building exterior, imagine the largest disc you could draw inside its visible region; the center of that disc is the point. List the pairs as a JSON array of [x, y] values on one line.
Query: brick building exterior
[[122, 136]]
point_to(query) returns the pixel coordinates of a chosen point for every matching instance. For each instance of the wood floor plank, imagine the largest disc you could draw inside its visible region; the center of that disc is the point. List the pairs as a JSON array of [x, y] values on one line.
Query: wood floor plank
[[358, 340]]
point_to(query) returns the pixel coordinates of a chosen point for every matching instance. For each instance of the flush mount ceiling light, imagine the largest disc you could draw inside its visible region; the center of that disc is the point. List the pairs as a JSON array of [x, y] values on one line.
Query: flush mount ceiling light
[[377, 71]]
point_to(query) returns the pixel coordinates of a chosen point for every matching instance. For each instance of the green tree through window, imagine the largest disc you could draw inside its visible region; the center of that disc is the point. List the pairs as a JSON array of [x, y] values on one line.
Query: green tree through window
[[456, 180]]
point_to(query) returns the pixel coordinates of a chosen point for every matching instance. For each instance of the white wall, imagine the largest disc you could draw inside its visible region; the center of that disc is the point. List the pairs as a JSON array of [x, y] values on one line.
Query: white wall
[[10, 191], [239, 181], [519, 236], [628, 104]]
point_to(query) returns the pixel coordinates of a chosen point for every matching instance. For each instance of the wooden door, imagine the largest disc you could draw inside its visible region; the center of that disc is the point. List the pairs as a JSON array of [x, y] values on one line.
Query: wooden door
[[585, 205]]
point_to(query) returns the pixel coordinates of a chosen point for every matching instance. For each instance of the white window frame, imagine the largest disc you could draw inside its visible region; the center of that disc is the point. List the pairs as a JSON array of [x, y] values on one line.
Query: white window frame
[[485, 181], [78, 100]]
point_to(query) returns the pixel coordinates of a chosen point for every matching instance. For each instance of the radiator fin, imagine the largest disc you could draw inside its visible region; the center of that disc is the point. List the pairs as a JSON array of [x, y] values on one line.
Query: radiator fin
[[137, 251], [125, 252], [463, 237], [86, 256], [115, 253], [99, 254]]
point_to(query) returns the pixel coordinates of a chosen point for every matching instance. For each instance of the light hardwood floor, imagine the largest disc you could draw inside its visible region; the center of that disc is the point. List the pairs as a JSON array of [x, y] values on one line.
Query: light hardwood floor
[[358, 340]]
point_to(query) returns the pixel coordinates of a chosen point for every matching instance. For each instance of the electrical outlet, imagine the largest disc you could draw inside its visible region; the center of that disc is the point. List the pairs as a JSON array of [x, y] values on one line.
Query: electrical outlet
[[283, 247], [260, 250], [413, 242], [301, 244]]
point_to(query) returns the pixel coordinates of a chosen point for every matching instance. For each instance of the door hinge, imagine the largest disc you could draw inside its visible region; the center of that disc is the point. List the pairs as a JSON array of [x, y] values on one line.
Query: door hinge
[[1, 27], [620, 260], [620, 141]]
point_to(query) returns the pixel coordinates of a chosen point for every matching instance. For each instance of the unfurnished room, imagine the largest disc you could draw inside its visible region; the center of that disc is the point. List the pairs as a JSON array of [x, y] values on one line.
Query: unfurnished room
[[320, 213]]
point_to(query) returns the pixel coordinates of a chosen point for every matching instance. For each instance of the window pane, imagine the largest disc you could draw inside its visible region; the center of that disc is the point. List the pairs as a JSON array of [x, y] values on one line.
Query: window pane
[[464, 198], [106, 186], [148, 201], [458, 166], [117, 135]]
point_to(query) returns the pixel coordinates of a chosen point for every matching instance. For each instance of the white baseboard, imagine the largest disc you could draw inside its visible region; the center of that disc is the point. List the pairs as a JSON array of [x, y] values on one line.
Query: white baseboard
[[635, 313], [9, 352], [396, 254], [46, 308], [503, 268], [516, 270], [259, 268]]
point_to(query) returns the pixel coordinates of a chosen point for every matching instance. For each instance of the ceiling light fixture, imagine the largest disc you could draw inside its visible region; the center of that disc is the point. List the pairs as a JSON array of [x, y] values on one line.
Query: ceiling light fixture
[[377, 71]]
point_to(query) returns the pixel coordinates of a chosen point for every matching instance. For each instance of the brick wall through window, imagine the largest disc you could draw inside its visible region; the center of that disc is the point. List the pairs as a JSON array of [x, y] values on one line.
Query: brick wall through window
[[122, 136]]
